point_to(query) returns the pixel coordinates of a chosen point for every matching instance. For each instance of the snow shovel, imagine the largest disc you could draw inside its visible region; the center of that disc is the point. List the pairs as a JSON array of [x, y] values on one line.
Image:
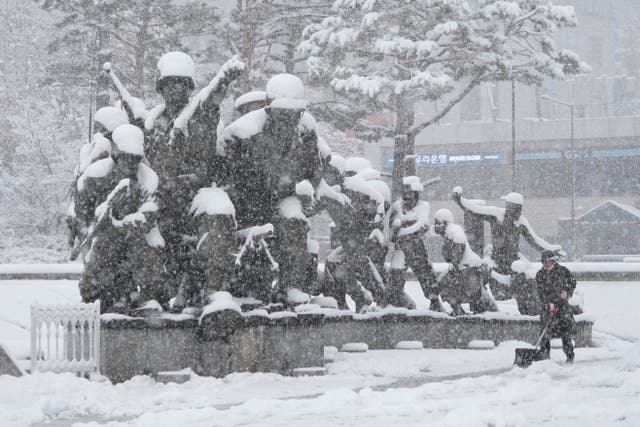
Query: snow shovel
[[526, 356]]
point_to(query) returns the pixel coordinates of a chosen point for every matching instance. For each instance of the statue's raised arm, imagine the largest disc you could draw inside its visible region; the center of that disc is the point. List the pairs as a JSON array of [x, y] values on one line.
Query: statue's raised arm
[[133, 106], [533, 239], [209, 97], [487, 213]]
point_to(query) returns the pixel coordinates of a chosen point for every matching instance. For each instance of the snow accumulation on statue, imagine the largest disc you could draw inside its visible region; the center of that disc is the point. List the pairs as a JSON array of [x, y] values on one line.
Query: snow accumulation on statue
[[465, 280], [409, 225], [117, 195], [273, 169], [181, 145], [228, 209], [106, 120], [507, 226]]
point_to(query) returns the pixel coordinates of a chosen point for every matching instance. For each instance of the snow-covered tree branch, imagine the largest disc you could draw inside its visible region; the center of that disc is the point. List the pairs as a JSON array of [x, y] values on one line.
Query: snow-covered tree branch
[[385, 55]]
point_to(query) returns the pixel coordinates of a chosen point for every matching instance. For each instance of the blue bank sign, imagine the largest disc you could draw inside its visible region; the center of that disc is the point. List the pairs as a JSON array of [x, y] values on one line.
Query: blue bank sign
[[453, 159]]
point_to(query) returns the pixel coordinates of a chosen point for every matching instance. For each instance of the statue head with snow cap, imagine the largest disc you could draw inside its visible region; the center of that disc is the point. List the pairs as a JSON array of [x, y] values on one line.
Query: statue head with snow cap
[[127, 150], [250, 101], [175, 80], [411, 190], [285, 98], [441, 220], [513, 205], [107, 119]]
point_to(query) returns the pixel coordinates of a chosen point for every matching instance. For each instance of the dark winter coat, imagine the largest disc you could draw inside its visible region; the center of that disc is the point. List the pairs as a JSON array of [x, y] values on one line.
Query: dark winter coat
[[550, 284]]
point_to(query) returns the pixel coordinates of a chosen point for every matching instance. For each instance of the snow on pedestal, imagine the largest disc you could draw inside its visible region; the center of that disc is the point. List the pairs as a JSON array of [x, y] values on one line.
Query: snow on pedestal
[[355, 347], [307, 308], [409, 345], [481, 345], [325, 302], [220, 301], [330, 353], [296, 296]]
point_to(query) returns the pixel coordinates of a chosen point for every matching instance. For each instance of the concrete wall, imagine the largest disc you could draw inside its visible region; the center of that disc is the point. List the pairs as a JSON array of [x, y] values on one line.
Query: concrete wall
[[227, 342]]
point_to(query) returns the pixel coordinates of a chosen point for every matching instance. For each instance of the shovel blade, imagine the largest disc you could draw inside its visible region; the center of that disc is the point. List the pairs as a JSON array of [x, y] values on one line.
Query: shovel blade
[[526, 356]]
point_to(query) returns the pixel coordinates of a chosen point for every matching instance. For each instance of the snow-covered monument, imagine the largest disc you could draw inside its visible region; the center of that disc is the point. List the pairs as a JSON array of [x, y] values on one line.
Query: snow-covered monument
[[196, 236]]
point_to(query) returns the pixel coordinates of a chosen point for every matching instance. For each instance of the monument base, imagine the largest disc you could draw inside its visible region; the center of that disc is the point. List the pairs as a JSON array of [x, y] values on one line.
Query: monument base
[[227, 341]]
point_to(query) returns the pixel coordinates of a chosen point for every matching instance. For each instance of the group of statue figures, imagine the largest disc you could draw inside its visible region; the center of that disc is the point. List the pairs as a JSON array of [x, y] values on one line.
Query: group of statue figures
[[170, 206]]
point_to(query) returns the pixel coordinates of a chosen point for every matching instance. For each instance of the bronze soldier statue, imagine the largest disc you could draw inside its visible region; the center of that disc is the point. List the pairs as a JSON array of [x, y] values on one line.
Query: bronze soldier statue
[[182, 147], [123, 267], [507, 226], [464, 281], [409, 225], [273, 166]]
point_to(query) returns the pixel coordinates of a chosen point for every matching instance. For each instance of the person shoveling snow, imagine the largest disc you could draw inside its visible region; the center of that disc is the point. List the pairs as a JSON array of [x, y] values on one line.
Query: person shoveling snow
[[555, 286]]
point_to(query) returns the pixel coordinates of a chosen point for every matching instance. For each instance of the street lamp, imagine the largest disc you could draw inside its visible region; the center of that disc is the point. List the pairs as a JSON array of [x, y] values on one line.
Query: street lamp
[[572, 107]]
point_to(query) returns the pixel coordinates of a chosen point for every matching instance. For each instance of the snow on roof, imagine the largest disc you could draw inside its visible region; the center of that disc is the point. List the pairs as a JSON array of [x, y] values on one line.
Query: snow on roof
[[444, 215], [515, 198], [129, 139], [111, 117], [176, 64], [627, 208], [286, 91], [253, 96], [355, 164], [246, 126], [212, 201], [413, 182]]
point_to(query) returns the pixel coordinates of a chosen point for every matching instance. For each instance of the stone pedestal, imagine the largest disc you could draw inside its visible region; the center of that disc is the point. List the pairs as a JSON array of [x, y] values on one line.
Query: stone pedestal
[[226, 341]]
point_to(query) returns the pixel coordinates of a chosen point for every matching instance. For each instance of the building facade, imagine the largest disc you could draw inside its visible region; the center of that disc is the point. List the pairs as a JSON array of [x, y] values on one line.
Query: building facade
[[563, 167]]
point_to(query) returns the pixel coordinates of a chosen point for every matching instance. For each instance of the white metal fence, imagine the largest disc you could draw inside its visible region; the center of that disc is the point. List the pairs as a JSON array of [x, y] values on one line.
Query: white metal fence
[[65, 338]]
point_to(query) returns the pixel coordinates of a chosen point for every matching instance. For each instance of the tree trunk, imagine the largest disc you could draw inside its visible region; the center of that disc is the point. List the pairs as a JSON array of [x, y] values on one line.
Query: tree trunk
[[403, 150], [104, 54], [140, 52], [290, 50], [246, 47]]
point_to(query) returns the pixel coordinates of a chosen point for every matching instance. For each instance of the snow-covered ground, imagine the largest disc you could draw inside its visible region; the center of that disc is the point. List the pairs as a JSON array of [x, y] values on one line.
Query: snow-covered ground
[[409, 387]]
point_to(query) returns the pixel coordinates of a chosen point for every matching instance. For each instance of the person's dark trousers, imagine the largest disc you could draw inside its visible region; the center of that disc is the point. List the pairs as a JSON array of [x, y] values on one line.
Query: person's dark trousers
[[567, 347]]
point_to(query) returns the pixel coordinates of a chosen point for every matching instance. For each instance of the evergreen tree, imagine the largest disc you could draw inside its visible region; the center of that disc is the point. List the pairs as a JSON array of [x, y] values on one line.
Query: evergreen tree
[[387, 55], [132, 34]]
